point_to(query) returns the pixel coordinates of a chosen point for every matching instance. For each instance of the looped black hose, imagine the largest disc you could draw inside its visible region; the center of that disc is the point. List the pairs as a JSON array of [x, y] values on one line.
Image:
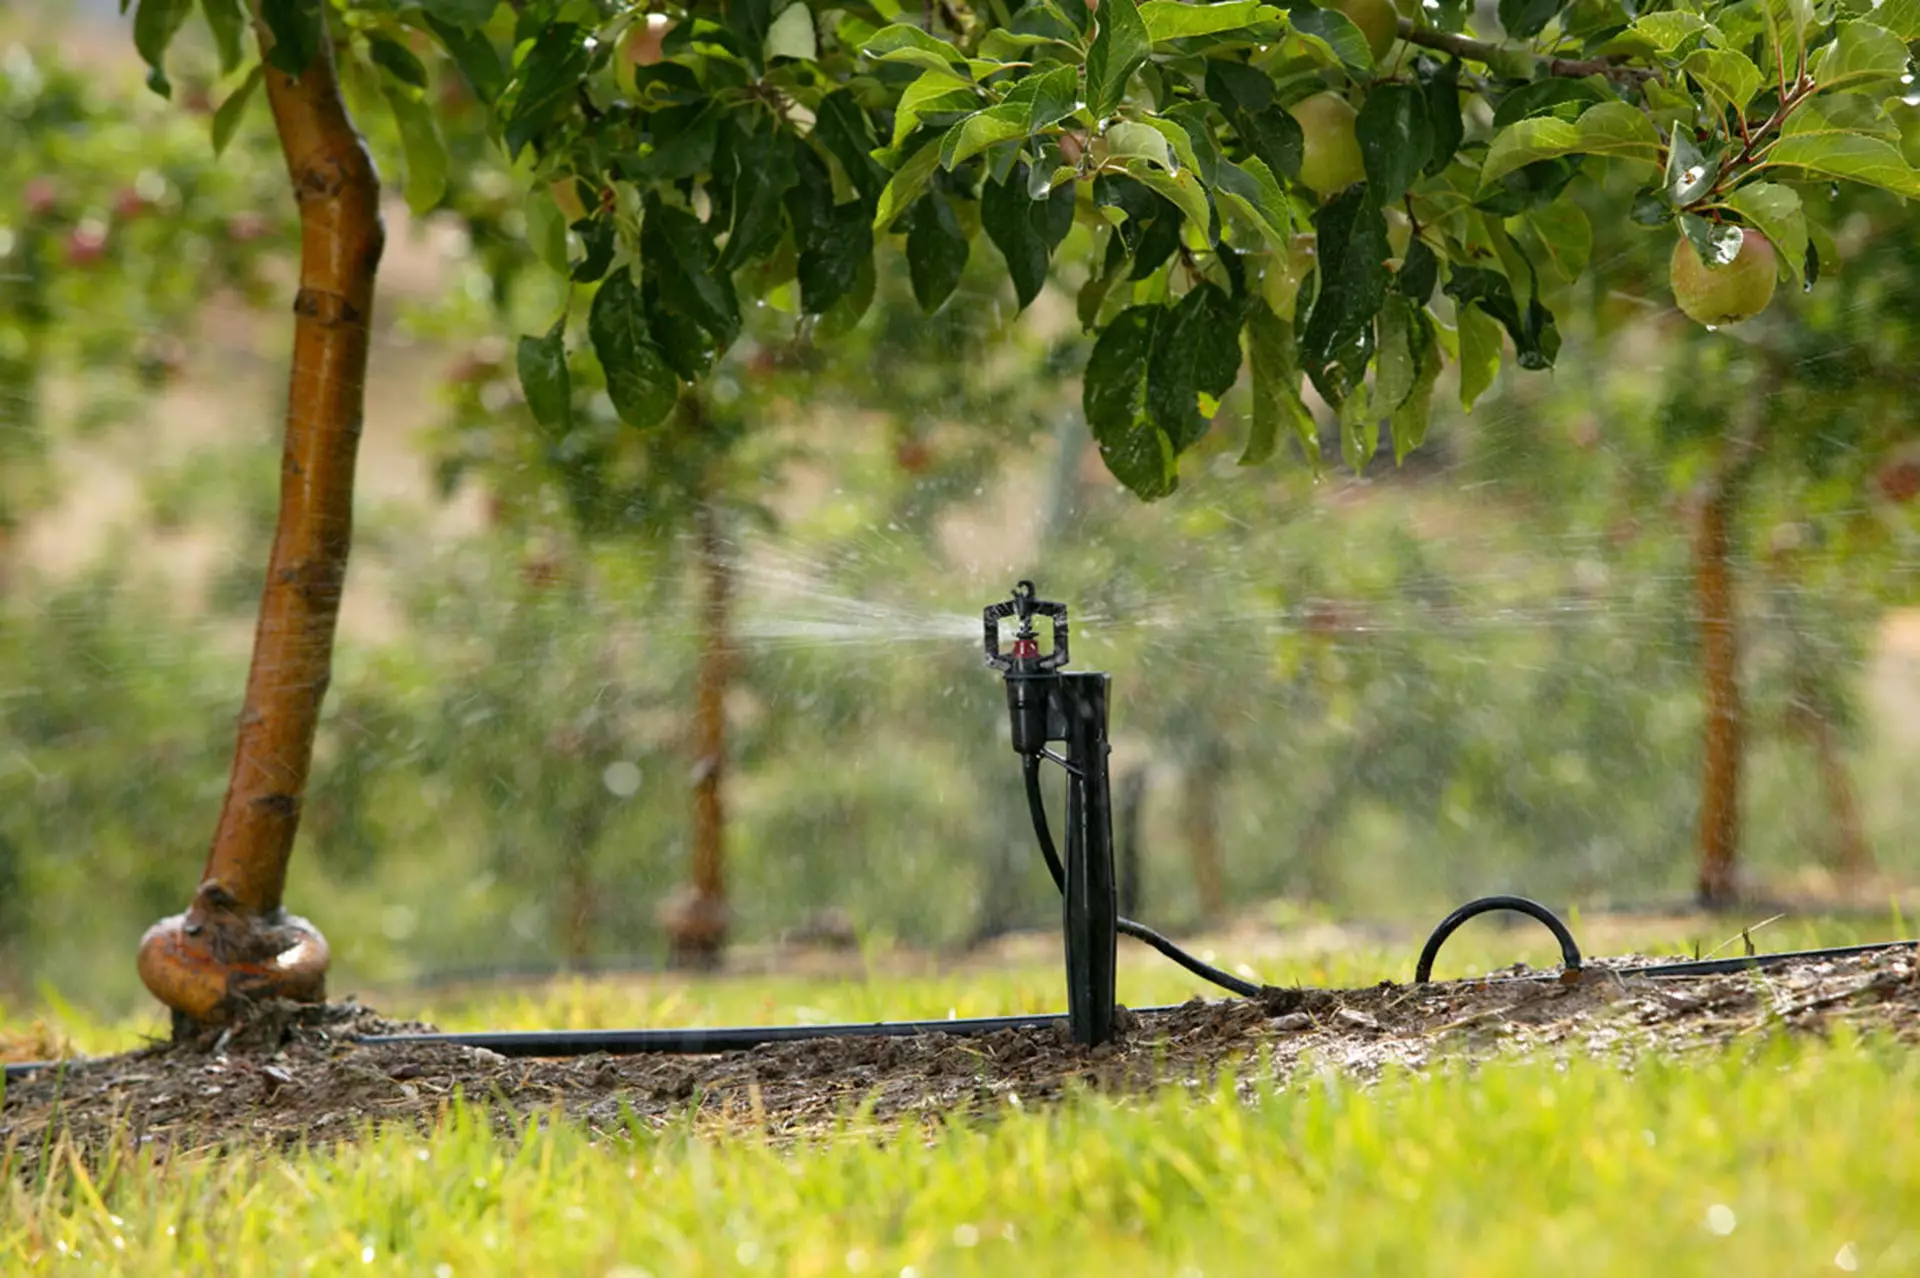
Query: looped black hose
[[1569, 951], [1036, 804]]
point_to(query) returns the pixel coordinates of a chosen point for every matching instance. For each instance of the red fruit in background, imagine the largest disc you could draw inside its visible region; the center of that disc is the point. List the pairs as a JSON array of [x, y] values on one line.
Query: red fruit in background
[[1900, 480], [86, 244], [913, 455], [39, 196], [129, 204], [244, 228], [197, 100]]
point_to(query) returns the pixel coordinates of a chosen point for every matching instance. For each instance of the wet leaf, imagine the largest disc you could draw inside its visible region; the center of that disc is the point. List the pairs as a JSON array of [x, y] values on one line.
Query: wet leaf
[[1395, 138], [397, 60], [1442, 90], [1277, 405], [1409, 420], [1690, 171], [1196, 350], [764, 172], [1025, 230], [678, 252], [832, 252], [904, 42], [1480, 346], [1334, 34], [474, 54], [936, 250], [1525, 19], [549, 83], [466, 15], [1351, 242], [1113, 398], [1775, 211], [1612, 128], [1118, 49], [842, 126], [1174, 20], [1536, 338], [643, 388], [904, 187], [1566, 237], [1726, 74]]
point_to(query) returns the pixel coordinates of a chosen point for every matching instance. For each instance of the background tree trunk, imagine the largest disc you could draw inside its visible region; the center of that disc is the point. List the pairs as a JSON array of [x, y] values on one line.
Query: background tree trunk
[[1724, 736], [697, 926]]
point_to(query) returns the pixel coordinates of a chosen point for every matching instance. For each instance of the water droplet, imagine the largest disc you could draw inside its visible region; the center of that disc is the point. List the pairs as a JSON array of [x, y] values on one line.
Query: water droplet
[[1721, 1220], [622, 779], [1847, 1258]]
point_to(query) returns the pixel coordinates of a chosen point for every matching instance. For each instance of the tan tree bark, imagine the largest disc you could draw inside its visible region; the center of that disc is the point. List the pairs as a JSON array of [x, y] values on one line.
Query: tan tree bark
[[235, 941], [1724, 737], [697, 919]]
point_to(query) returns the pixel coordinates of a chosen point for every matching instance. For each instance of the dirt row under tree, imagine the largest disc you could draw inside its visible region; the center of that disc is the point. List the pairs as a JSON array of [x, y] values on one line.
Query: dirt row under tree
[[290, 1073]]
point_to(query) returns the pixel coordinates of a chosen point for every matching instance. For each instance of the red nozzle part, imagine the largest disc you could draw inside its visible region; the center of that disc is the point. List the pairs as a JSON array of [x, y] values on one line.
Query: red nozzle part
[[1026, 649]]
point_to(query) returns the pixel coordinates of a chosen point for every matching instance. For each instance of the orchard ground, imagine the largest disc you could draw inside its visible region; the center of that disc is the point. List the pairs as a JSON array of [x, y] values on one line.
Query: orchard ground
[[1346, 1117]]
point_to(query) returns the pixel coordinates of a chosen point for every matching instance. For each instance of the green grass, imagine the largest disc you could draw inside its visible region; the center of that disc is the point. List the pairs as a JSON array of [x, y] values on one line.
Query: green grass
[[1775, 1157], [1801, 1158]]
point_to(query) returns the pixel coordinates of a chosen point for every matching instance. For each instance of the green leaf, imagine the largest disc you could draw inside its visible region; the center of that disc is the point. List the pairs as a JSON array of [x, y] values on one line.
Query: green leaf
[[1113, 397], [1901, 17], [1050, 96], [1119, 48], [1025, 230], [936, 250], [1853, 156], [476, 57], [1442, 90], [639, 382], [1656, 33], [1396, 358], [1351, 243], [1334, 35], [466, 15], [549, 79], [842, 125], [1409, 420], [545, 381], [1359, 429], [1183, 189], [832, 253], [904, 187], [1786, 23], [226, 120], [1524, 19], [1277, 405], [1727, 75], [1129, 139], [1612, 128], [1196, 350], [397, 60], [155, 23], [792, 35], [425, 153], [1536, 338], [1173, 20], [1565, 235], [598, 238], [1395, 139], [678, 253], [1862, 53], [1252, 191], [1479, 354], [904, 42], [227, 20], [934, 93], [996, 124], [1690, 171], [1775, 212], [295, 26], [1418, 273], [763, 174]]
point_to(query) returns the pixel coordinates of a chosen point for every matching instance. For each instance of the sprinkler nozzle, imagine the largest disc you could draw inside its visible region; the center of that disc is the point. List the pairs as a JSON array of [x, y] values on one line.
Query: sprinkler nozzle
[[1030, 675]]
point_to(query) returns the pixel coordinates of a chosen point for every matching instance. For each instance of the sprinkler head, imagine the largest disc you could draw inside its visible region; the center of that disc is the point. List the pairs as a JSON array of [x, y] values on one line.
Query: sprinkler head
[[1030, 675]]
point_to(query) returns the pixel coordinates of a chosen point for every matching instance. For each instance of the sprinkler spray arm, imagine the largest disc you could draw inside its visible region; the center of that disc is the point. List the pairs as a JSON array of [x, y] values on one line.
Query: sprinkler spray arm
[[1032, 678]]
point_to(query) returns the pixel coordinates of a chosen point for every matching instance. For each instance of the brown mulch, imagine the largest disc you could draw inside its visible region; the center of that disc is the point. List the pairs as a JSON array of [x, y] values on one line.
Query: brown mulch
[[291, 1073]]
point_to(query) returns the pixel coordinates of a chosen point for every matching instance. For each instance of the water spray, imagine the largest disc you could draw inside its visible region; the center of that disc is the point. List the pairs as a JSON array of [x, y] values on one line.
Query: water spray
[[1048, 705]]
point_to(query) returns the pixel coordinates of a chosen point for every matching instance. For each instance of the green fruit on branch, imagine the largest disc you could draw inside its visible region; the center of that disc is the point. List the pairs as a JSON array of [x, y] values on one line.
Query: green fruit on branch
[[1378, 21], [1726, 294], [1330, 157]]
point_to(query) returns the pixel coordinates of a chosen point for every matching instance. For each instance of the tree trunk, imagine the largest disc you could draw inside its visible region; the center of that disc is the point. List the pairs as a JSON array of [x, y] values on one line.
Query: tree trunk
[[1718, 841], [697, 924], [1719, 836], [235, 941]]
